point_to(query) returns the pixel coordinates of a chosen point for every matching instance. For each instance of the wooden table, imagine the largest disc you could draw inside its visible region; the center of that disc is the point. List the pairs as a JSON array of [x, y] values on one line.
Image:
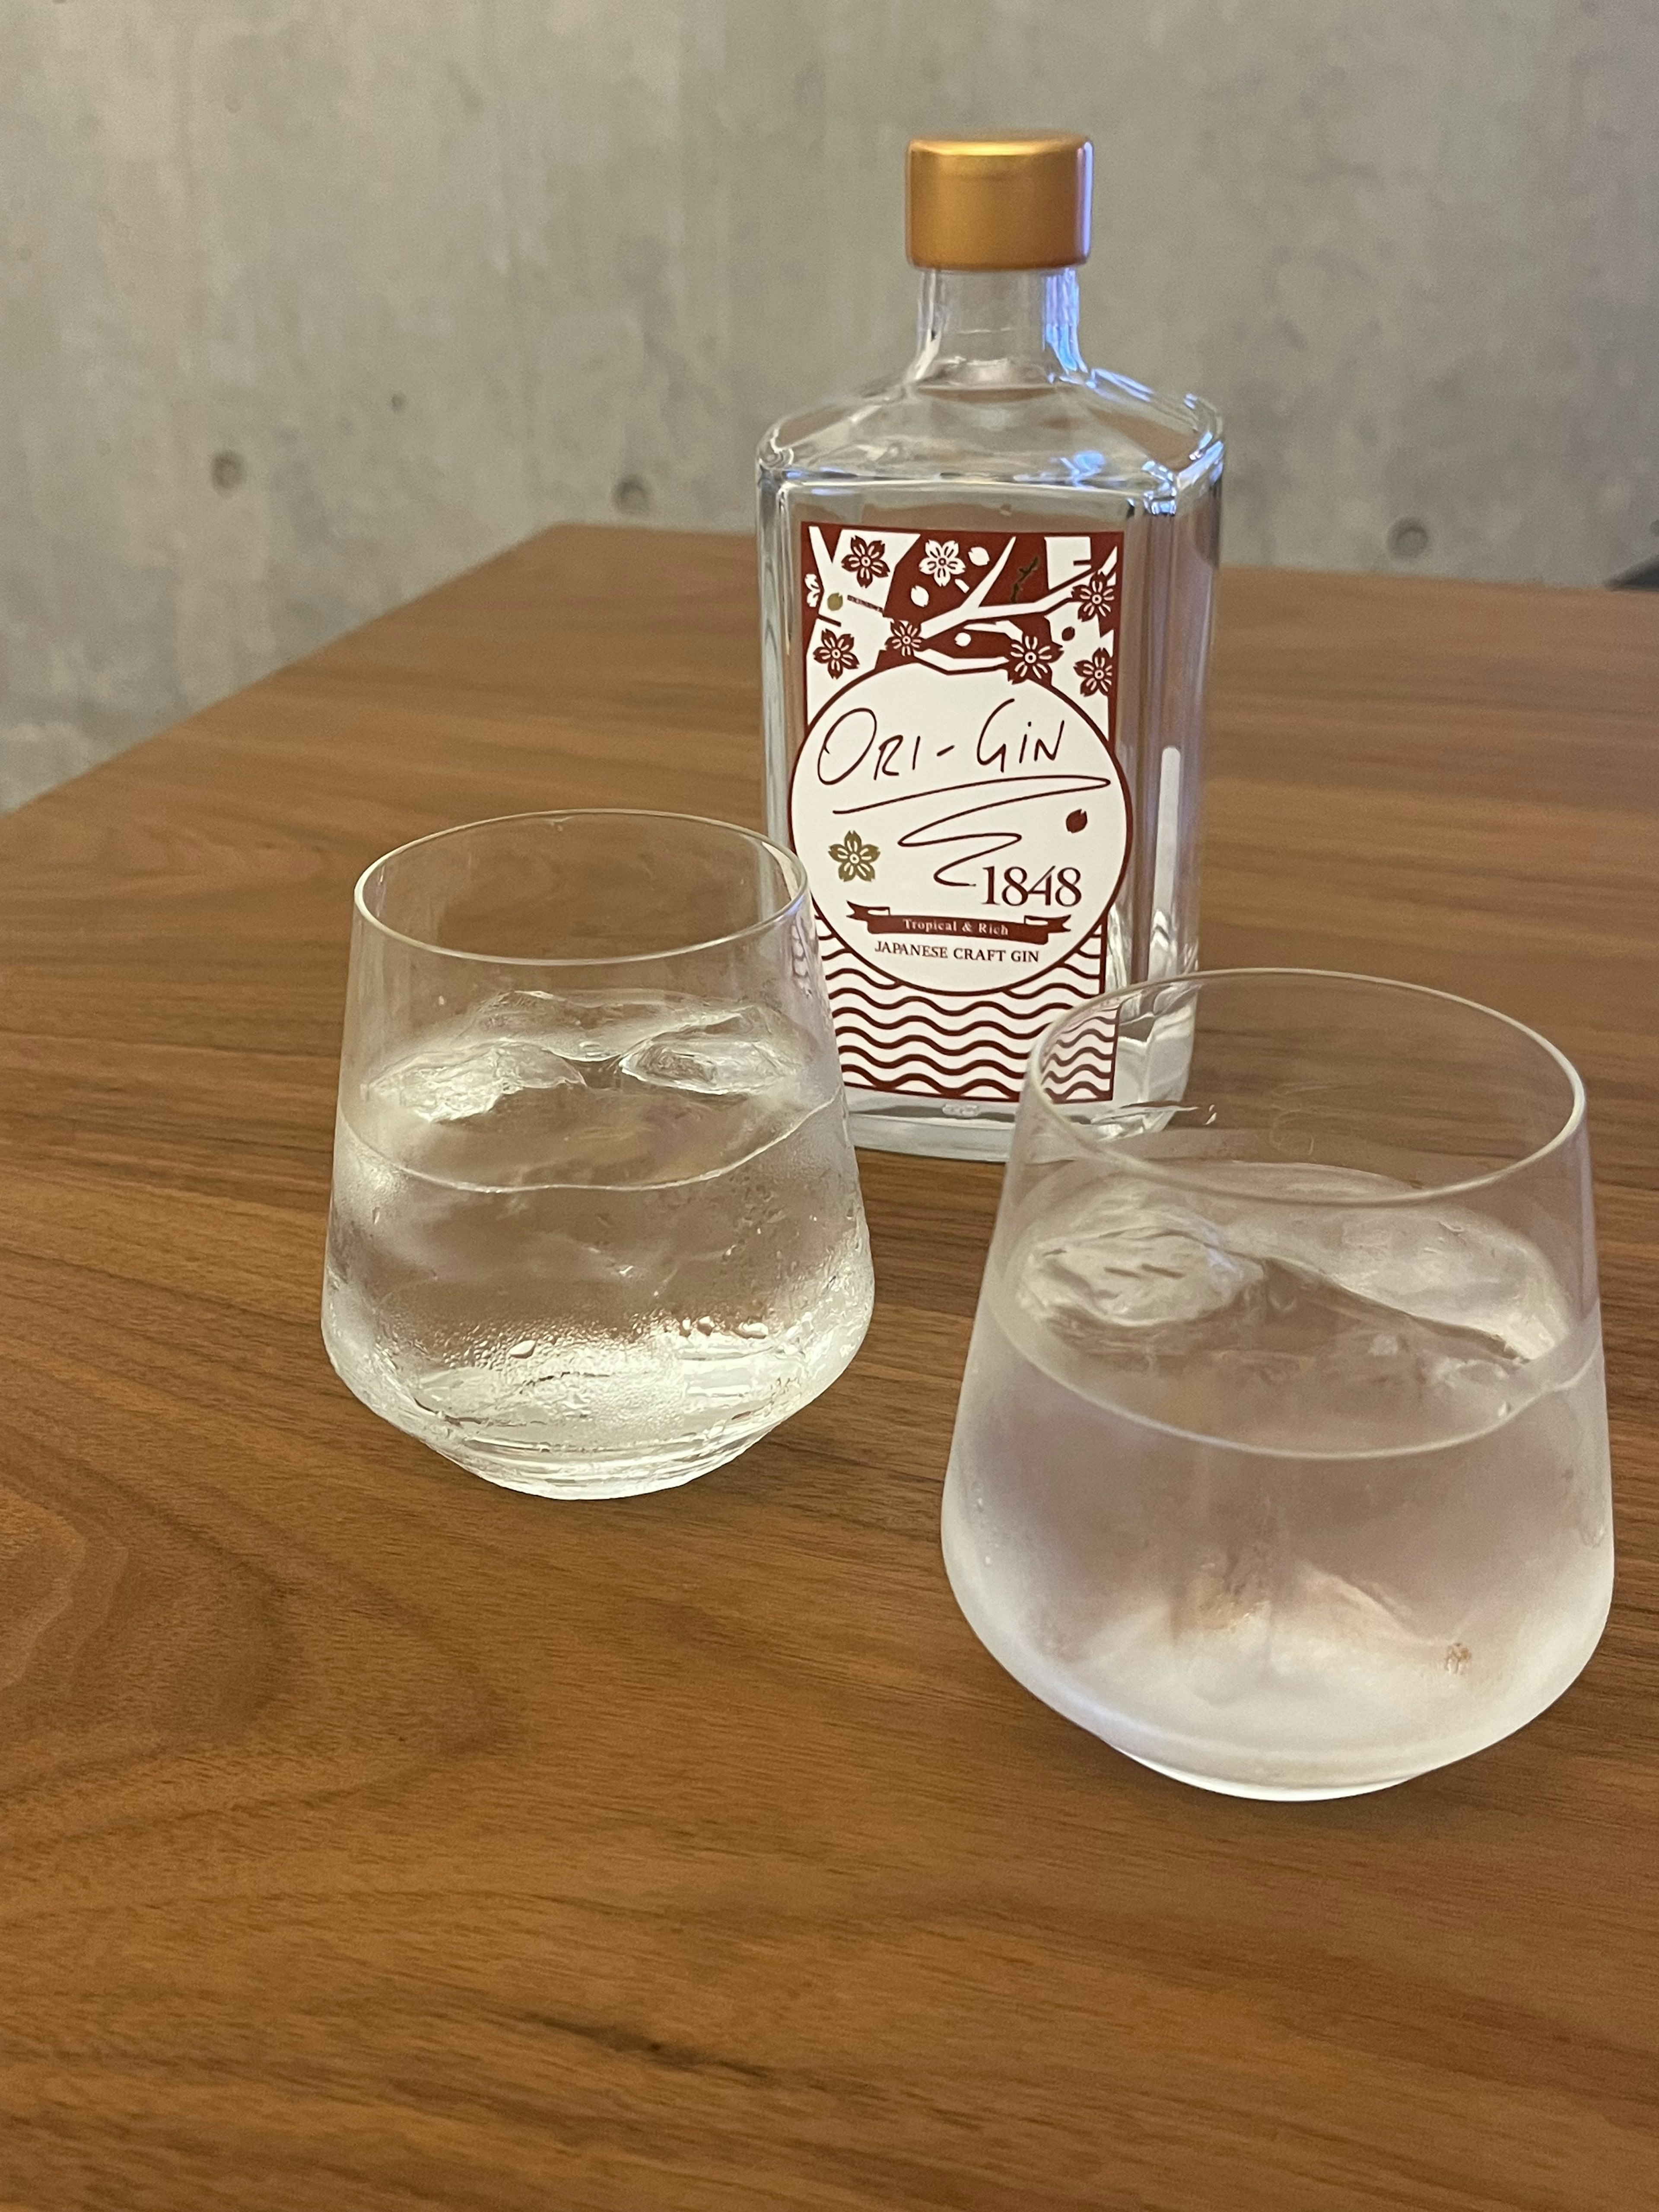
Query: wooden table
[[373, 1839]]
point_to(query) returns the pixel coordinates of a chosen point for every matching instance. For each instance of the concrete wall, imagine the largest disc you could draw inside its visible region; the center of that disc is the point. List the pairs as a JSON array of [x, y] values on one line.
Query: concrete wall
[[307, 304]]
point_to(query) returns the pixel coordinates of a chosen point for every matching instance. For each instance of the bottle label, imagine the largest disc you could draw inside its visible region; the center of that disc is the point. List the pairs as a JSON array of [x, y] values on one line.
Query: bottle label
[[957, 803]]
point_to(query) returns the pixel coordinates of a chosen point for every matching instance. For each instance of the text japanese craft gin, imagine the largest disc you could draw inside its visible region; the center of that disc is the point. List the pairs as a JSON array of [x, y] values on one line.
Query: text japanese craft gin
[[985, 595]]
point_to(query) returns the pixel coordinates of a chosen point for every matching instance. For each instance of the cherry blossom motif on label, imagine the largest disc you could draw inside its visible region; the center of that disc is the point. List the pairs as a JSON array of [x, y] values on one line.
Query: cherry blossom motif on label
[[865, 560], [958, 804], [941, 561], [835, 652], [1031, 659], [1095, 674], [1097, 598]]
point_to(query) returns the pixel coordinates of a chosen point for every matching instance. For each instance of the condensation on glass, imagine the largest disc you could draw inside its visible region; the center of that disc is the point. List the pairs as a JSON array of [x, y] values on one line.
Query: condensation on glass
[[596, 1223], [1281, 1459]]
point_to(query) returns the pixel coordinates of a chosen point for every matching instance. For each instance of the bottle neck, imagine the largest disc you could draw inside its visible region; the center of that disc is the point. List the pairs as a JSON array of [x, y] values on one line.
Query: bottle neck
[[996, 326]]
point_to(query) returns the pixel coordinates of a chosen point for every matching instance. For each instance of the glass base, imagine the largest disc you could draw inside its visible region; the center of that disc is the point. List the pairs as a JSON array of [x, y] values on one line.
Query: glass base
[[1223, 1788], [521, 1470], [536, 1472], [1064, 1697]]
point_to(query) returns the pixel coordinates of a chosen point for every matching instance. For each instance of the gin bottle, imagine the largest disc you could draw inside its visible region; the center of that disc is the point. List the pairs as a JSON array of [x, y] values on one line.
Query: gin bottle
[[985, 591]]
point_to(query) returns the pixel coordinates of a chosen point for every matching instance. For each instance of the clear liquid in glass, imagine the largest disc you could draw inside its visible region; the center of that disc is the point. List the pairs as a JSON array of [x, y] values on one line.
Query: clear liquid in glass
[[588, 1247], [1285, 1503]]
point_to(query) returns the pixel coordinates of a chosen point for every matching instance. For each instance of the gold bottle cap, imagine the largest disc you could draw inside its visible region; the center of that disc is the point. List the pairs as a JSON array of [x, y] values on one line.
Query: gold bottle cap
[[1020, 203]]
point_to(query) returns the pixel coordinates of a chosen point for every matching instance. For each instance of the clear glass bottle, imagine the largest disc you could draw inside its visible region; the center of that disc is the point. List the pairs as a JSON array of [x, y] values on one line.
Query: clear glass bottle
[[985, 610]]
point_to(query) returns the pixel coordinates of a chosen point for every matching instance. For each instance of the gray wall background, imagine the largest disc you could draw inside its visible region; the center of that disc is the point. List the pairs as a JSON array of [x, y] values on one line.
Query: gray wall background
[[305, 305]]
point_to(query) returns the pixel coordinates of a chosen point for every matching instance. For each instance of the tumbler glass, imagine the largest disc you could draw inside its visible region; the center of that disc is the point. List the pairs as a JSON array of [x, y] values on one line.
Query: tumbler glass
[[596, 1221], [1281, 1459]]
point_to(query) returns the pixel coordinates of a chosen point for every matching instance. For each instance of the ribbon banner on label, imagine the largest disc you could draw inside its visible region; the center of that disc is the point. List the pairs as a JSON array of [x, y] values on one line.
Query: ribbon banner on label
[[957, 925]]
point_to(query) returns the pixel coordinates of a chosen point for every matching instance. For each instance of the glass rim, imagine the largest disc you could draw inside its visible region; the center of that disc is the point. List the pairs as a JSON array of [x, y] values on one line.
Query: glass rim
[[1166, 1171], [794, 874]]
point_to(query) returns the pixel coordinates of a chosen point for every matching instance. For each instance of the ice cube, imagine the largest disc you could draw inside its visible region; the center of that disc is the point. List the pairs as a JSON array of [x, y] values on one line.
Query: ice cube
[[1141, 1251], [1266, 1622], [1298, 1327], [464, 1073], [738, 1052], [1438, 1262], [587, 1026], [462, 1394], [1134, 1260], [1221, 1626]]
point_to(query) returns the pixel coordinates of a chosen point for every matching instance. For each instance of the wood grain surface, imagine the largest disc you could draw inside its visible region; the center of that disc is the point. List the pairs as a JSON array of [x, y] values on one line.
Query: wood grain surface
[[371, 1839]]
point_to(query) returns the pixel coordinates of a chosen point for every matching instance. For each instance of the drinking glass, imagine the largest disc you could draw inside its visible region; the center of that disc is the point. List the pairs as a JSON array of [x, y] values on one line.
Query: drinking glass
[[596, 1221], [1281, 1458]]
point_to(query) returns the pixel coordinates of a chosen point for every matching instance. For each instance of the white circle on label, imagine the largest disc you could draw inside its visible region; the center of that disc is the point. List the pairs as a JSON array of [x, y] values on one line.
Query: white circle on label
[[960, 831]]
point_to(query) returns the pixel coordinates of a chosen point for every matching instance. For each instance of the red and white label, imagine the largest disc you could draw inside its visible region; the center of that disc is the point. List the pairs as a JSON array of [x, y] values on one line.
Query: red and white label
[[957, 803]]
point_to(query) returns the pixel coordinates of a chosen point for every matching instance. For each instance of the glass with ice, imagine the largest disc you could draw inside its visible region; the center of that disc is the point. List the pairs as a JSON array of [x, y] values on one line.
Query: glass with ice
[[596, 1221], [1281, 1459]]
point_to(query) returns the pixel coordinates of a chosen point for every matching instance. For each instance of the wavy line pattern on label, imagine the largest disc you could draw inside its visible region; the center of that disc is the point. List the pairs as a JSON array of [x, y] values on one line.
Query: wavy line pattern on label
[[1081, 1065], [894, 1038]]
